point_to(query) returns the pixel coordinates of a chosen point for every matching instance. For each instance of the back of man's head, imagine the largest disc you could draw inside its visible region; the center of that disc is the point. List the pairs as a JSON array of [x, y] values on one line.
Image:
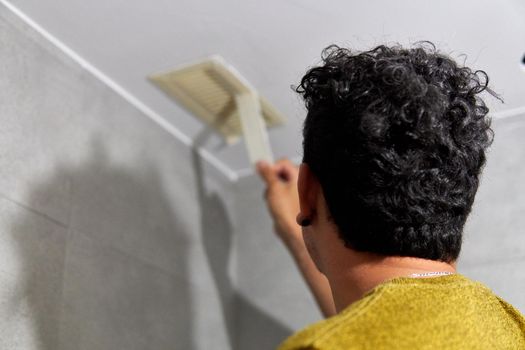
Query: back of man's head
[[397, 140]]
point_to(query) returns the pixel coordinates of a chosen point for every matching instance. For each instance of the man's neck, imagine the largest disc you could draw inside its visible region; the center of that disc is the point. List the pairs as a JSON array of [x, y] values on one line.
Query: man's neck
[[365, 271]]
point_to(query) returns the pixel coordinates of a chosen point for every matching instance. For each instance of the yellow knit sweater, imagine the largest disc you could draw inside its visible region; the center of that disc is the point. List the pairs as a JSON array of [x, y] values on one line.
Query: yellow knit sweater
[[447, 312]]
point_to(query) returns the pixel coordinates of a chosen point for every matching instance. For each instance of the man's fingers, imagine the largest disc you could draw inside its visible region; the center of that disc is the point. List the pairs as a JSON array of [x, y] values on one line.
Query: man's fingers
[[267, 172], [284, 161], [286, 170]]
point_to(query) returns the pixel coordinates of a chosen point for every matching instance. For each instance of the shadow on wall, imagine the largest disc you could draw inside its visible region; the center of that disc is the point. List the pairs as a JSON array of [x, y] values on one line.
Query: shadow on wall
[[114, 274], [109, 287], [217, 234]]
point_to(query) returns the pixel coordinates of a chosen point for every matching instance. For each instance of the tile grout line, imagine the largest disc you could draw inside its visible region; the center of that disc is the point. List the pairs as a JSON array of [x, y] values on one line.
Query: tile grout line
[[126, 95], [34, 211], [72, 231], [514, 112], [63, 286]]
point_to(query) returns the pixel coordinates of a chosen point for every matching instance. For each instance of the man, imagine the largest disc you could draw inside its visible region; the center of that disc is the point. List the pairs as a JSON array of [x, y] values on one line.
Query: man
[[394, 145]]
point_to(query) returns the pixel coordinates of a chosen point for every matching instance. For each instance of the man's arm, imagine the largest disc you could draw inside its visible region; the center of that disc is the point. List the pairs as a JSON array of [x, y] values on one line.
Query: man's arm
[[283, 203]]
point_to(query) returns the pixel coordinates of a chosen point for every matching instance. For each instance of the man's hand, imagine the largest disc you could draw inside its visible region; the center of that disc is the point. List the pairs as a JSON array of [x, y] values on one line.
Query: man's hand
[[282, 197]]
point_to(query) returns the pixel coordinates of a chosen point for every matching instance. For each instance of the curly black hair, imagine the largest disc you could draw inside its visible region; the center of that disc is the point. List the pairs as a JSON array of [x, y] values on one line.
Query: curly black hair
[[397, 139]]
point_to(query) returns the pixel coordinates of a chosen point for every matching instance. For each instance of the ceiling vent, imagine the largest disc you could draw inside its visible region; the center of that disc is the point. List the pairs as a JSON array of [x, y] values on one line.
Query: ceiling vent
[[217, 94]]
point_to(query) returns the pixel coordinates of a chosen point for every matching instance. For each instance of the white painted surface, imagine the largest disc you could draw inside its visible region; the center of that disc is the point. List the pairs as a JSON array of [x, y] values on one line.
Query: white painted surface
[[272, 43]]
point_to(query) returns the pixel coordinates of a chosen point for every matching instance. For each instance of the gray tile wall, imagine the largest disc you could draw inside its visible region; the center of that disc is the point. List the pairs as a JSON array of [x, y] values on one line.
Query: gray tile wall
[[106, 235]]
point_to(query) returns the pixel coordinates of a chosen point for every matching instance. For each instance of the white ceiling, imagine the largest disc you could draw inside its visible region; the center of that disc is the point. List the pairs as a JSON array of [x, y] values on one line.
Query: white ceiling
[[272, 43]]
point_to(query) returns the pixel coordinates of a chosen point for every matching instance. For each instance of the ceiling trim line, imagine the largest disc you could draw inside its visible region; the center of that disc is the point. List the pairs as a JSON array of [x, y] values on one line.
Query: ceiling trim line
[[514, 112]]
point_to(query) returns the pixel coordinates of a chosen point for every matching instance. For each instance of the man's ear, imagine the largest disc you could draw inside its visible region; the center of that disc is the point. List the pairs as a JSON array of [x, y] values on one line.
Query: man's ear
[[308, 187]]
